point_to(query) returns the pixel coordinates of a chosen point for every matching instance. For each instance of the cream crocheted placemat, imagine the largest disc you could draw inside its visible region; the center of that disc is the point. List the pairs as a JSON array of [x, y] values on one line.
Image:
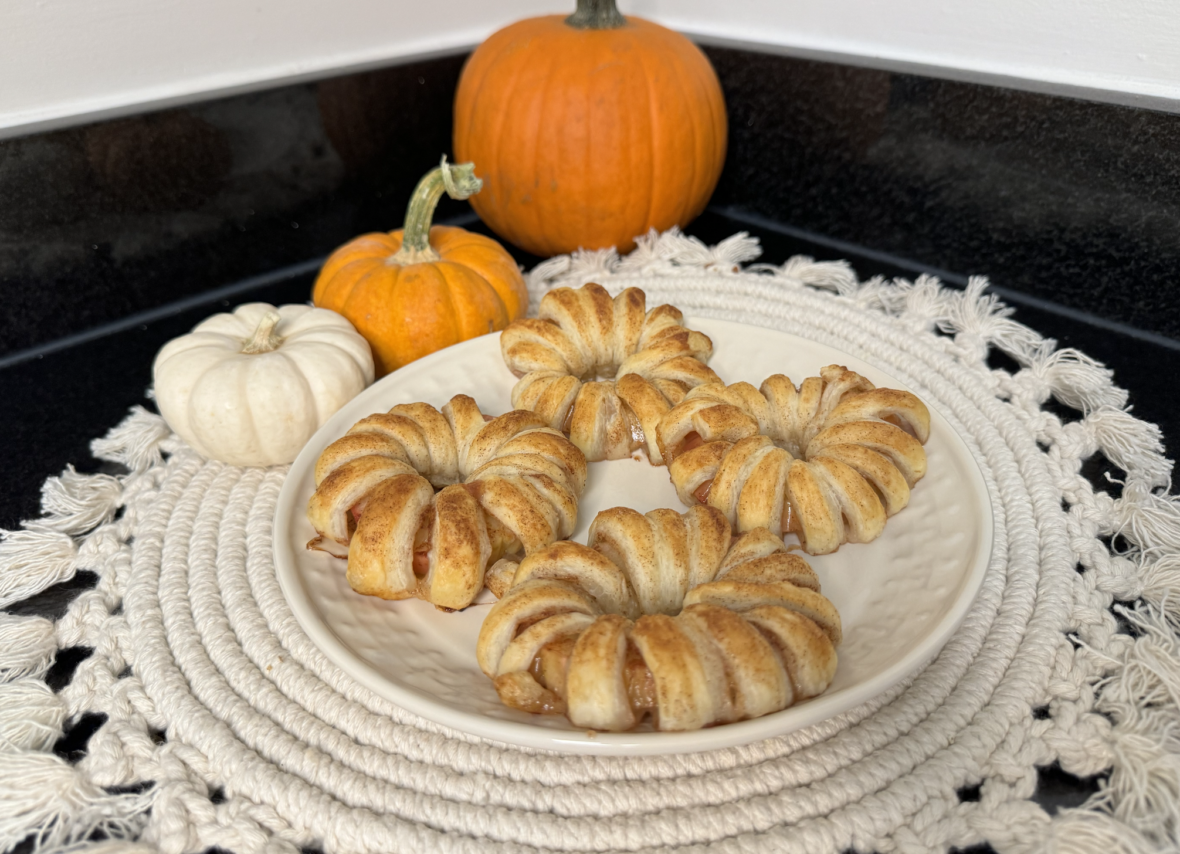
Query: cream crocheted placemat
[[226, 727]]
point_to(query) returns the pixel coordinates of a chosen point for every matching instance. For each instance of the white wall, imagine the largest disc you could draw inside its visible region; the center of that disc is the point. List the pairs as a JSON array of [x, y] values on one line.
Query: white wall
[[1125, 51], [62, 61], [67, 61]]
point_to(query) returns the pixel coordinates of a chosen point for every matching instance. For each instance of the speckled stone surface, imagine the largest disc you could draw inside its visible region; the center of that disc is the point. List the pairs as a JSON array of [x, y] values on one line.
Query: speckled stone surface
[[1070, 201], [1074, 202]]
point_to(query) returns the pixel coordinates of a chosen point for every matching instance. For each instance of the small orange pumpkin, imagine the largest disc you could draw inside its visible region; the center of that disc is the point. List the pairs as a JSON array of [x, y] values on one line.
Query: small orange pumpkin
[[419, 289], [593, 129]]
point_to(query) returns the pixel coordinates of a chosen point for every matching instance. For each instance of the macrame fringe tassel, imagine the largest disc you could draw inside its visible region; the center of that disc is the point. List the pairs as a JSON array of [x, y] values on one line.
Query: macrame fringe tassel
[[654, 253], [1148, 519], [1074, 378], [1143, 700], [1087, 832], [1133, 445], [1160, 586], [31, 716], [835, 276], [32, 560], [135, 443], [27, 647], [980, 321], [75, 503], [43, 797]]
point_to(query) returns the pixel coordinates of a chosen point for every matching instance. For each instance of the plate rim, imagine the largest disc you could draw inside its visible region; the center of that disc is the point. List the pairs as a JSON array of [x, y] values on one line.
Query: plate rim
[[519, 734]]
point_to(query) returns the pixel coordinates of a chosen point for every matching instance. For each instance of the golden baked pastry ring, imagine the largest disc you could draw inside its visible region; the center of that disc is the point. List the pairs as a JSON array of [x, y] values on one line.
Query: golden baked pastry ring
[[660, 614], [507, 484], [604, 370], [829, 461]]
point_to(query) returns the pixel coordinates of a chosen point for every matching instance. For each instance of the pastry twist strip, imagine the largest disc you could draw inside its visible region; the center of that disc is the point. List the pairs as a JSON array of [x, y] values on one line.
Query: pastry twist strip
[[604, 370], [829, 461], [660, 615], [508, 484]]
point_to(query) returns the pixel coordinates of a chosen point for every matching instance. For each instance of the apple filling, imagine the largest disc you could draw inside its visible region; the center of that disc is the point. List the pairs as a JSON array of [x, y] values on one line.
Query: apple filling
[[634, 427], [503, 541], [550, 666]]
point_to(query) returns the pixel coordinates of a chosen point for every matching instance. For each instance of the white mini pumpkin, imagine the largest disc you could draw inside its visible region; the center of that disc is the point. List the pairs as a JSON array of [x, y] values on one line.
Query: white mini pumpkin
[[250, 388]]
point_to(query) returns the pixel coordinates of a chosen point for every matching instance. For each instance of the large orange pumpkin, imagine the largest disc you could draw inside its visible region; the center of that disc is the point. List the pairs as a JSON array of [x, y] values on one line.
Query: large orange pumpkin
[[417, 290], [592, 129]]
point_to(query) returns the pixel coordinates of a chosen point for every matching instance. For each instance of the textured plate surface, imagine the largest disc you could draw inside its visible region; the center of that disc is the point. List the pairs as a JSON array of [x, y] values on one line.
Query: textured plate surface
[[900, 598]]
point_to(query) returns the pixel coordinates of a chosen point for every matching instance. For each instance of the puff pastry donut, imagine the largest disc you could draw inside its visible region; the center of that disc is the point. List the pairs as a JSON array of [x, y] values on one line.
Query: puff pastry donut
[[506, 485], [829, 461], [660, 615], [604, 370]]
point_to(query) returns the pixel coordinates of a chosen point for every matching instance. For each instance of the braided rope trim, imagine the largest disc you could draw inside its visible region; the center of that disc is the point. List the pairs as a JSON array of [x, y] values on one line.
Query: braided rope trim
[[193, 638]]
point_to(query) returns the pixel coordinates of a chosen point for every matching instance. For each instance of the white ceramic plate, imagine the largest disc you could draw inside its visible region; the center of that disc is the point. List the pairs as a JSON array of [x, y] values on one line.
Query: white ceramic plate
[[900, 598]]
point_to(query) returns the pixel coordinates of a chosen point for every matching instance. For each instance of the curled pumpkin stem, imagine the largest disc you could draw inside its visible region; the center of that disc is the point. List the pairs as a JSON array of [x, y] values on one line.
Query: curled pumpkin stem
[[458, 181], [265, 338]]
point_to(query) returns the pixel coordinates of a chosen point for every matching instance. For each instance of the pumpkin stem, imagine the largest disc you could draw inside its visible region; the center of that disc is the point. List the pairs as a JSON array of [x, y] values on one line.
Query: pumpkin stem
[[264, 338], [458, 181], [596, 15]]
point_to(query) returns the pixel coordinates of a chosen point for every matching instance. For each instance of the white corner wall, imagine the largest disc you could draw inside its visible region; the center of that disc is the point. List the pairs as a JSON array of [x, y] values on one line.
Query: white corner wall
[[1122, 51], [69, 61], [66, 61]]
